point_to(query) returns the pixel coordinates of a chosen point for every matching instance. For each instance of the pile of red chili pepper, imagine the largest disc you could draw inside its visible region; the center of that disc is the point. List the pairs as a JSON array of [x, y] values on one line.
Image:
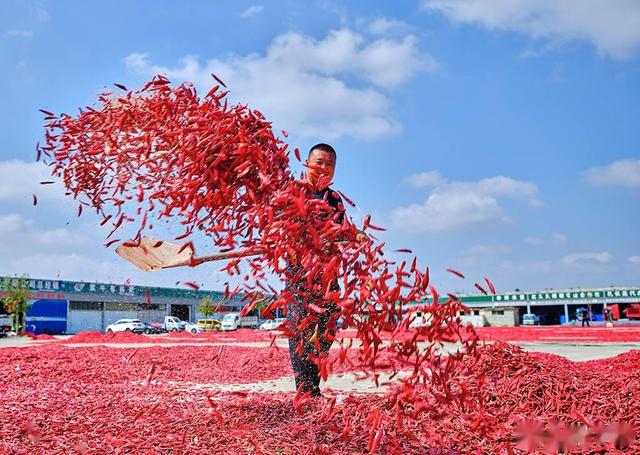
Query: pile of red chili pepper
[[164, 153], [562, 334], [191, 399]]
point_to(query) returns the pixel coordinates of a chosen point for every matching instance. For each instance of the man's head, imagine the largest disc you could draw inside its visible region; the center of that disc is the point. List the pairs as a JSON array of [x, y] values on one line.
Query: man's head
[[321, 165]]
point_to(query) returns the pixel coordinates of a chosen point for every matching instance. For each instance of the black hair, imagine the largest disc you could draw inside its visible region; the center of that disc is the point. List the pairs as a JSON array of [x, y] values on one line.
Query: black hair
[[325, 148]]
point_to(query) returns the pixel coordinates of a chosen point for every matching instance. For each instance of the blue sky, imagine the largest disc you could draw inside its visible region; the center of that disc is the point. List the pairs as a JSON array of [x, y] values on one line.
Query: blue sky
[[498, 138]]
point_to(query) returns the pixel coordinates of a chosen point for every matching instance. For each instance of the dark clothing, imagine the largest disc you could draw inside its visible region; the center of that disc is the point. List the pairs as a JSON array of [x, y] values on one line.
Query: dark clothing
[[585, 319], [334, 200], [302, 348]]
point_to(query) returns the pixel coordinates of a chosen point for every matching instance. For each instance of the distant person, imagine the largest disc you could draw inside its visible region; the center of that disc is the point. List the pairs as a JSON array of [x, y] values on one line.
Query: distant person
[[585, 318]]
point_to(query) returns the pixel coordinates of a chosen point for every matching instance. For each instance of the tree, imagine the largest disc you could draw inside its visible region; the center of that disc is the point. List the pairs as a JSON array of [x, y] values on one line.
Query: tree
[[207, 307], [15, 301]]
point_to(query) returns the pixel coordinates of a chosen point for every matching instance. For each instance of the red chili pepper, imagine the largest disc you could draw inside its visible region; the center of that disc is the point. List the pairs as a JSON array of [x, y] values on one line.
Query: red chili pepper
[[219, 80], [456, 273], [491, 287], [191, 284]]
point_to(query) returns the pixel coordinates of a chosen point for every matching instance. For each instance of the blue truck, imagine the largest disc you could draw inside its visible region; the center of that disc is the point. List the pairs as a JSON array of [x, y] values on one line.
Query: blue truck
[[47, 316]]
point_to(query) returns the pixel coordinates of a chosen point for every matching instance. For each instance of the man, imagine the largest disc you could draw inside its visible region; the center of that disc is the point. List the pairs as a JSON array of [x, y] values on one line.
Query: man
[[585, 318], [313, 336]]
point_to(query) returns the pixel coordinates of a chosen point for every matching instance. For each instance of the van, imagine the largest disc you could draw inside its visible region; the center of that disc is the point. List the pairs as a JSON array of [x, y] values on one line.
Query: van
[[233, 321], [230, 321]]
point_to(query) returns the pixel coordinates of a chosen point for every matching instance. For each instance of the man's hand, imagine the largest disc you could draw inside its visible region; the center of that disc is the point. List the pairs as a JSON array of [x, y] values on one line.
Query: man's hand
[[362, 237]]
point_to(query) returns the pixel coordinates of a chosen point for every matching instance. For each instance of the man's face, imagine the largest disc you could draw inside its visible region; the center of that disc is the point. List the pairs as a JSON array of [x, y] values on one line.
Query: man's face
[[321, 166]]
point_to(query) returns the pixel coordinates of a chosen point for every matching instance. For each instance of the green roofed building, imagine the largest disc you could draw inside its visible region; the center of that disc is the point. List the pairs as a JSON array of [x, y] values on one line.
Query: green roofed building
[[58, 306], [553, 306]]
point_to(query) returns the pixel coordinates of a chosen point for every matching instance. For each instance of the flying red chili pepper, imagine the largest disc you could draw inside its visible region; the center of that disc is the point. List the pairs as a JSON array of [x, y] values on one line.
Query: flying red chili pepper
[[491, 287], [191, 284], [456, 273]]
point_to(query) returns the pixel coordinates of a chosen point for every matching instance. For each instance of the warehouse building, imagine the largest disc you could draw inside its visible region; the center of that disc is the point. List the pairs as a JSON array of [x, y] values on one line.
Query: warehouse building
[[58, 306], [552, 306]]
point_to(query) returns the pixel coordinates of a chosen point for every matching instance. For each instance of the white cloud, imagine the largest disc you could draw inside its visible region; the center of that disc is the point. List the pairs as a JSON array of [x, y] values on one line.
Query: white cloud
[[537, 267], [64, 266], [314, 88], [253, 10], [431, 178], [457, 205], [634, 259], [41, 15], [611, 26], [18, 34], [619, 173], [19, 180], [483, 254], [555, 239], [383, 26], [18, 232], [599, 257]]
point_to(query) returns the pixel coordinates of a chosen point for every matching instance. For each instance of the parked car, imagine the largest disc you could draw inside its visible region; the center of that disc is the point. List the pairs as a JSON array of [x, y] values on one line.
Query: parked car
[[210, 324], [272, 324], [174, 324], [193, 328], [153, 328], [126, 325], [530, 319]]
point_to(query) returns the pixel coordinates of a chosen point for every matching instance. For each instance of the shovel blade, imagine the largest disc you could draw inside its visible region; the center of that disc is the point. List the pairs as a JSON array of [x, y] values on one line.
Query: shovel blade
[[152, 254]]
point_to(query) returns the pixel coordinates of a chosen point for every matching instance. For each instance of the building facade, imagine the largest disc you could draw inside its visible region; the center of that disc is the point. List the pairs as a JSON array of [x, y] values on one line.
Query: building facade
[[554, 307], [58, 306]]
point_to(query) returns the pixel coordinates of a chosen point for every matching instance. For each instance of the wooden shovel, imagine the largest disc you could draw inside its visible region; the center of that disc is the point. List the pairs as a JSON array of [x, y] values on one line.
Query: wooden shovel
[[153, 254]]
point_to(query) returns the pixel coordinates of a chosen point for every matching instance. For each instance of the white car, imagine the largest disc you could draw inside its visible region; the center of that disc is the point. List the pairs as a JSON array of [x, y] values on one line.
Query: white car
[[193, 328], [126, 325], [272, 325]]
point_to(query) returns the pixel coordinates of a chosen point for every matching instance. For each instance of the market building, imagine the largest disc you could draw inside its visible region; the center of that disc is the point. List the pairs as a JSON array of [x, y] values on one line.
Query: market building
[[58, 306], [552, 306]]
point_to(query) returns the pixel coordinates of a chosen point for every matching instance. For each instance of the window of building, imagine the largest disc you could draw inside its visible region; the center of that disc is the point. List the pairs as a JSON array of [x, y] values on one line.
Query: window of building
[[152, 306], [497, 312], [112, 306], [86, 306], [476, 312]]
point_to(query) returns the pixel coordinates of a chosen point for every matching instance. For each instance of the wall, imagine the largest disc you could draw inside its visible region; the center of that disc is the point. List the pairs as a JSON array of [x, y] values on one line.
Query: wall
[[474, 320], [508, 318]]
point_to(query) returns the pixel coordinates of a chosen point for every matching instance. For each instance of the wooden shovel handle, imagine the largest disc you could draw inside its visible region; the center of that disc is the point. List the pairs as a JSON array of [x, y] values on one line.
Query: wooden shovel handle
[[216, 257]]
